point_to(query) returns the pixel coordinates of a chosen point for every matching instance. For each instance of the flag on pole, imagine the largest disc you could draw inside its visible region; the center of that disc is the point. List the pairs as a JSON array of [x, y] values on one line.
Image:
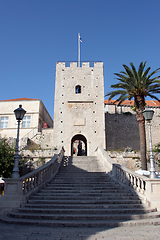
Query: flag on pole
[[79, 41], [80, 38]]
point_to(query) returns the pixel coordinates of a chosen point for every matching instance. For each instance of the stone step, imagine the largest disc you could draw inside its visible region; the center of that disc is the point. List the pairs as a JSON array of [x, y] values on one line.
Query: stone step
[[84, 217], [91, 211], [85, 194], [82, 182], [86, 201], [80, 178], [81, 224], [84, 206], [50, 189], [85, 184], [71, 170], [87, 197], [80, 191], [64, 188]]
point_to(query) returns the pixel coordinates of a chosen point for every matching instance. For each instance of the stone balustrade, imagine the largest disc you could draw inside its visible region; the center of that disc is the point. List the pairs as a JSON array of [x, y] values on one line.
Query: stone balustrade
[[147, 189], [18, 190]]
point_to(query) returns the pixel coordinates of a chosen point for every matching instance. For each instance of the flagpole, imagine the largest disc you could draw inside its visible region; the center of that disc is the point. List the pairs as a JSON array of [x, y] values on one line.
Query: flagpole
[[78, 49]]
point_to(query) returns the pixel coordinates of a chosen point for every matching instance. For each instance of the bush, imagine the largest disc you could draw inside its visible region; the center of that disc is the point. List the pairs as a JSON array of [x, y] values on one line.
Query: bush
[[6, 158], [156, 148], [7, 154]]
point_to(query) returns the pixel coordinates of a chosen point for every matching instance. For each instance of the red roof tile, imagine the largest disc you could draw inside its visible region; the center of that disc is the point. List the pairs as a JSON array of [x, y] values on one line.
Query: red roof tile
[[151, 103], [19, 99]]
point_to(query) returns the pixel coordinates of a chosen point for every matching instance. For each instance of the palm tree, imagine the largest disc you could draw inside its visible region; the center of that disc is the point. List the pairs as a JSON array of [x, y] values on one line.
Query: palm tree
[[137, 84]]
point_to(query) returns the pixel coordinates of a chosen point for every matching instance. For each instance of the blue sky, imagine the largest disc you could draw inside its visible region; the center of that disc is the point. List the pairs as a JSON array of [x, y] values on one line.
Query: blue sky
[[35, 34]]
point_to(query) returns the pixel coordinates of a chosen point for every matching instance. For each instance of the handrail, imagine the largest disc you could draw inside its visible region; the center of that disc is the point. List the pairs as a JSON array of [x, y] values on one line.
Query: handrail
[[17, 190], [130, 178], [146, 188], [32, 132], [42, 174], [33, 180]]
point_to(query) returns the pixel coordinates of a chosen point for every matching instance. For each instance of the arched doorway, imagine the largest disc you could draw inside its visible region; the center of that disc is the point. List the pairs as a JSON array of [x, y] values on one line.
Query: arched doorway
[[79, 145]]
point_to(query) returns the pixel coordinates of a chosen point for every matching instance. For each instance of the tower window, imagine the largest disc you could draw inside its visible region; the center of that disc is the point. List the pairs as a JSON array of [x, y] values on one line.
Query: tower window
[[78, 89]]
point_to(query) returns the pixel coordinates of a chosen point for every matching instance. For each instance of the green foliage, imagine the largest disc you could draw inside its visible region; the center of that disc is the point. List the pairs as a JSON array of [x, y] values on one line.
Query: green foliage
[[40, 162], [156, 148], [133, 84], [6, 158]]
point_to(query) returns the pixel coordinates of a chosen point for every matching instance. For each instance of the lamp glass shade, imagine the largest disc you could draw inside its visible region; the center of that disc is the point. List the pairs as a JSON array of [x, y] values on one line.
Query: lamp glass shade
[[148, 114], [19, 113]]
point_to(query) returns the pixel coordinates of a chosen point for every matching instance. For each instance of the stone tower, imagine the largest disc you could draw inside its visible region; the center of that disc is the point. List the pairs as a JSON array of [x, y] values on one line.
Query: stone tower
[[79, 107]]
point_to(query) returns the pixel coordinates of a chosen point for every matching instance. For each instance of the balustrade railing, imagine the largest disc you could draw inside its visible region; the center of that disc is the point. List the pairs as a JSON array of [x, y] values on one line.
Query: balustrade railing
[[148, 189], [17, 190], [129, 178], [43, 174]]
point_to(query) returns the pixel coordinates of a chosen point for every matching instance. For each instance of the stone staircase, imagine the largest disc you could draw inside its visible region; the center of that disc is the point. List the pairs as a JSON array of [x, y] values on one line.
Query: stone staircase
[[82, 195]]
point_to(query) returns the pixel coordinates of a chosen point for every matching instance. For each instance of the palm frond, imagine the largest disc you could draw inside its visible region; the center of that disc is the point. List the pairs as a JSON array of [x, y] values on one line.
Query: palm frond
[[133, 84], [146, 72], [154, 97], [115, 93], [154, 86], [134, 72], [152, 73], [141, 69], [122, 85], [125, 78], [128, 71]]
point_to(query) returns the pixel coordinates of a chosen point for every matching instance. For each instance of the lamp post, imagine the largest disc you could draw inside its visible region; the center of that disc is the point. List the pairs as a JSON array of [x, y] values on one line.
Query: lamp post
[[148, 115], [19, 113]]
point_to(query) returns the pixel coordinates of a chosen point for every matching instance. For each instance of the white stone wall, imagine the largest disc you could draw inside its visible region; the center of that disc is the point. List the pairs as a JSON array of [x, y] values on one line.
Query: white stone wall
[[44, 117], [81, 113], [45, 139]]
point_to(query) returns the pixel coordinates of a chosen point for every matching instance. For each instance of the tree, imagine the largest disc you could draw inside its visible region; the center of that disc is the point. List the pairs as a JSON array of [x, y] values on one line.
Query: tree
[[6, 158], [137, 85], [7, 154]]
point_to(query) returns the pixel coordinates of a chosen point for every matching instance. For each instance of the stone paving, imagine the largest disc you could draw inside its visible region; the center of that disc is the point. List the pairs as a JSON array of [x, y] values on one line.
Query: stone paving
[[27, 232]]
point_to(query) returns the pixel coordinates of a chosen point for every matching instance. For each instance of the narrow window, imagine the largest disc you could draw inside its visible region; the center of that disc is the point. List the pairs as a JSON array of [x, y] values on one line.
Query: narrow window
[[4, 122], [78, 89]]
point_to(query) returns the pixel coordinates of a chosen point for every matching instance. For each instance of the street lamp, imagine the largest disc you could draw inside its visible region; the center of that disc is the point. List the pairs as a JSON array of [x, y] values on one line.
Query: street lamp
[[19, 113], [148, 115]]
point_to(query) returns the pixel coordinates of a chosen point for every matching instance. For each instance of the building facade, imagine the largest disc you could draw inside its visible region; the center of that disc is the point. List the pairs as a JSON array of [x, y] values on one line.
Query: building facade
[[79, 107], [35, 119]]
